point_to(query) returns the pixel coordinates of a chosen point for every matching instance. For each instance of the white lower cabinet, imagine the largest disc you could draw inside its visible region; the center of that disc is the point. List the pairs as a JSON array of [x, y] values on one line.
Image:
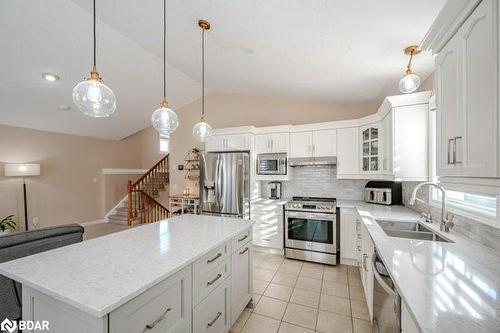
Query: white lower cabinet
[[213, 314], [241, 279], [348, 236], [366, 269], [268, 227], [165, 307]]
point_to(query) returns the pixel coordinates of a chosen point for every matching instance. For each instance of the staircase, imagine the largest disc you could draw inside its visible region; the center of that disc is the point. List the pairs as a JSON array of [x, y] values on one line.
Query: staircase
[[140, 204]]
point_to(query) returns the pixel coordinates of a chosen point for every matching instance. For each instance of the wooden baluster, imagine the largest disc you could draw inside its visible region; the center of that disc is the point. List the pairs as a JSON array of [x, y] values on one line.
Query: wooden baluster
[[129, 208]]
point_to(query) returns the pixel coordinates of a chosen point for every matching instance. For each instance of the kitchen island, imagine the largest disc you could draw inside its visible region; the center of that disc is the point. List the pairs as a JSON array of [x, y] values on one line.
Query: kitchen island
[[189, 273]]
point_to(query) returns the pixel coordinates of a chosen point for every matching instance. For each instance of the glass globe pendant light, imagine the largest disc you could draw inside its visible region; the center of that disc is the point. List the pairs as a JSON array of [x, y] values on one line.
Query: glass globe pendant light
[[164, 119], [202, 130], [92, 96], [410, 82]]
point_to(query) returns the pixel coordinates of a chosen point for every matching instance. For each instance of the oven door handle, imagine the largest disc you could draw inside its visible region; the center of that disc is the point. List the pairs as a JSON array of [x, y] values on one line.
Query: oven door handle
[[302, 215]]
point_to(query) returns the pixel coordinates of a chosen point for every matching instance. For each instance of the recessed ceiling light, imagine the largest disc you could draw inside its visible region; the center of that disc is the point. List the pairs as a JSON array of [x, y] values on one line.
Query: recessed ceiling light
[[64, 107], [50, 77]]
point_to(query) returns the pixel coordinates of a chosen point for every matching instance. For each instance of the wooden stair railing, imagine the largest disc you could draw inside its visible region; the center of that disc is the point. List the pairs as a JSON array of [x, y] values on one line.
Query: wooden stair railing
[[141, 203]]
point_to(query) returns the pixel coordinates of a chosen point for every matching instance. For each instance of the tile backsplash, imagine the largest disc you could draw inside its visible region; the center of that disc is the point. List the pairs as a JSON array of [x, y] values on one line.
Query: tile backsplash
[[486, 235], [320, 181]]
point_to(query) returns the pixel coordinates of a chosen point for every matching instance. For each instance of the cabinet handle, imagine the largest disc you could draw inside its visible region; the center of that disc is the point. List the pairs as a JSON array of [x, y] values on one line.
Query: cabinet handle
[[364, 261], [160, 318], [450, 159], [214, 258], [210, 324], [243, 238], [272, 144], [209, 283], [455, 161], [245, 250], [359, 248]]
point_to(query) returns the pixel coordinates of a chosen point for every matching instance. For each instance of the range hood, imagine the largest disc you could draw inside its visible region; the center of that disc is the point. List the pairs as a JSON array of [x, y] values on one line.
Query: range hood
[[311, 161]]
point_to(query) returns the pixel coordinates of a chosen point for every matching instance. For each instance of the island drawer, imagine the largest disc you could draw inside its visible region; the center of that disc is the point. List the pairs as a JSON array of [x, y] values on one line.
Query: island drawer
[[241, 239], [212, 315], [205, 284], [211, 260], [165, 307]]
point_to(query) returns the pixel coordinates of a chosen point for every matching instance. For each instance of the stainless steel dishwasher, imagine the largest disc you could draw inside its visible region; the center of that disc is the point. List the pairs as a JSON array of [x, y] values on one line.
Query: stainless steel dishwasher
[[387, 302]]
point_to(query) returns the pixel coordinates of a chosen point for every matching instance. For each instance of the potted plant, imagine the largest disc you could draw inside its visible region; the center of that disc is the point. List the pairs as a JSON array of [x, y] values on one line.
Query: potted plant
[[7, 224]]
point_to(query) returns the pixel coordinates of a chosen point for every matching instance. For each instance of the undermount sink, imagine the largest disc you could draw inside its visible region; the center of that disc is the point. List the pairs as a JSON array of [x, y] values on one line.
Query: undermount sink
[[412, 230]]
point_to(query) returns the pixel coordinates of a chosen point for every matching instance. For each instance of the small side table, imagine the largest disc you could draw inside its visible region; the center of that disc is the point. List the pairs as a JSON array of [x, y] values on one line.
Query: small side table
[[183, 203]]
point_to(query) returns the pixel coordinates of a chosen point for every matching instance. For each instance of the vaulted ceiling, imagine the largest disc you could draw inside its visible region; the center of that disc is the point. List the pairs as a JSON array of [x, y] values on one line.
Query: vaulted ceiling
[[346, 51]]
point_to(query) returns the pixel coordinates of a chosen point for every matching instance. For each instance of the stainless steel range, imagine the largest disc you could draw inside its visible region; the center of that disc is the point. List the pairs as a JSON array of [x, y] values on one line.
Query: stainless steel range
[[312, 230]]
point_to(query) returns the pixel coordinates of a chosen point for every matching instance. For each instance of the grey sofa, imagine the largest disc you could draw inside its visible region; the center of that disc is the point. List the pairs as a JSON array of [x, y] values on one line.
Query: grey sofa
[[18, 245]]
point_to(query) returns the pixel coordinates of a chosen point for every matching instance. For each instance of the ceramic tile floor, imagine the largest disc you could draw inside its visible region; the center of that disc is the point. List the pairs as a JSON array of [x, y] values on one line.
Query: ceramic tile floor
[[299, 297]]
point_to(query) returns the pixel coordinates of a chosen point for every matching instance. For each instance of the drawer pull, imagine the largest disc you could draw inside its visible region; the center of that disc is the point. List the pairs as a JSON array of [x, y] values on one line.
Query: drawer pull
[[214, 258], [209, 283], [160, 318], [243, 238], [210, 324], [245, 250]]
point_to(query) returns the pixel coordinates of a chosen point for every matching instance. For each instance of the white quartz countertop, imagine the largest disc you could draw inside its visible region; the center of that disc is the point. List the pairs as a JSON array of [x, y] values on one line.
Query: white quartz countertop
[[267, 201], [99, 275], [448, 287]]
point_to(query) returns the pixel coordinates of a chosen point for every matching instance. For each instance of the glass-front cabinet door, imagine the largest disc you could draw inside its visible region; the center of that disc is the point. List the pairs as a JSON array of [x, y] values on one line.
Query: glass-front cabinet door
[[370, 148]]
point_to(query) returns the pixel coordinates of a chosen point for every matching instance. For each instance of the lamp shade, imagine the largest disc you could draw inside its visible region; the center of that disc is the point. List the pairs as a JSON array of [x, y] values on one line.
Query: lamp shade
[[22, 170]]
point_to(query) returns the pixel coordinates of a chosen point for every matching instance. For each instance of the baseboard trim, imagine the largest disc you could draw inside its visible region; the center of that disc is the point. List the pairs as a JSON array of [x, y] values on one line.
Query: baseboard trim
[[84, 224]]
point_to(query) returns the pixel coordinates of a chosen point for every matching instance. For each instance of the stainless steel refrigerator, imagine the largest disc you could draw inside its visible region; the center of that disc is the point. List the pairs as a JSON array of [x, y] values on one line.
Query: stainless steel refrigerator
[[225, 184]]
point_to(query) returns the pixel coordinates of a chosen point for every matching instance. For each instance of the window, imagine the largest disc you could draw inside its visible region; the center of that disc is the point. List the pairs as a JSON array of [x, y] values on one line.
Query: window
[[476, 204], [164, 145]]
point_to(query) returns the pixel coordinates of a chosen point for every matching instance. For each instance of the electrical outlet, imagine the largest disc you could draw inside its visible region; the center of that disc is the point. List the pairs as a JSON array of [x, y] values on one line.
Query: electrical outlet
[[94, 180], [36, 221], [174, 187]]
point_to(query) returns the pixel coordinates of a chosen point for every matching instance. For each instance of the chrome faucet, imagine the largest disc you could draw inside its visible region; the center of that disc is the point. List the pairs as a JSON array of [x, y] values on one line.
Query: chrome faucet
[[446, 223]]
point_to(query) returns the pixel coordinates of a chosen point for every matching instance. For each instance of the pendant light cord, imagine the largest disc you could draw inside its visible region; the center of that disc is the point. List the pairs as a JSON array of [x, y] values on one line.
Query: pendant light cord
[[94, 37], [164, 49], [203, 74], [408, 67]]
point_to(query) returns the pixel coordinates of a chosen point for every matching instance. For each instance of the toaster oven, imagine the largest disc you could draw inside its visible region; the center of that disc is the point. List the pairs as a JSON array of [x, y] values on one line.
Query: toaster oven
[[384, 192]]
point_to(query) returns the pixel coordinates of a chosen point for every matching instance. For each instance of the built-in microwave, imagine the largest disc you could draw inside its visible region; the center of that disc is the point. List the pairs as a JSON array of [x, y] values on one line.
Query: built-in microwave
[[271, 164]]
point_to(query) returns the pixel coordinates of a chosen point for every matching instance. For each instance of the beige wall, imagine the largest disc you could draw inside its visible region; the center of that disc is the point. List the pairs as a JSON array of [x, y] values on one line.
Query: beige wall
[[226, 110], [71, 187]]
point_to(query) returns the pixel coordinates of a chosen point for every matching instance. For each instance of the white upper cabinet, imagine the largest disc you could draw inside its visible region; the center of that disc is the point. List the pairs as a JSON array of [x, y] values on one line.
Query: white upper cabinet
[[466, 89], [408, 159], [347, 152], [263, 143], [370, 142], [318, 143], [229, 142], [387, 144], [324, 143], [447, 98], [272, 143], [301, 144]]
